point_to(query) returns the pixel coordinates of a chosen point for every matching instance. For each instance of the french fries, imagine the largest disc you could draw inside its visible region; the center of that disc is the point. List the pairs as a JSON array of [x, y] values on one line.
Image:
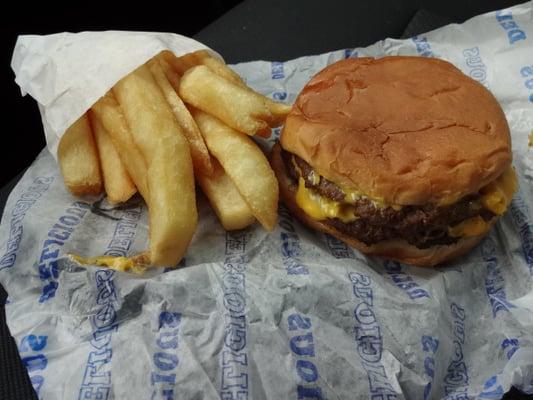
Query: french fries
[[181, 64], [108, 111], [175, 67], [279, 110], [201, 57], [171, 74], [218, 66], [169, 171], [169, 122], [200, 156], [246, 165], [239, 108], [78, 159], [117, 182], [229, 206]]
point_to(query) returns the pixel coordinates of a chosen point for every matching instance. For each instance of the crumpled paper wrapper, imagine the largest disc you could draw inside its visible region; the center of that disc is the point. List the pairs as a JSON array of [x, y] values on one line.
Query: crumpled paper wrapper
[[288, 314], [66, 73]]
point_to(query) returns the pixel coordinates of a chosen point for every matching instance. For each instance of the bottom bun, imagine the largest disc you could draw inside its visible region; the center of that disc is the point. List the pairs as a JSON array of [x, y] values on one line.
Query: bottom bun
[[396, 249]]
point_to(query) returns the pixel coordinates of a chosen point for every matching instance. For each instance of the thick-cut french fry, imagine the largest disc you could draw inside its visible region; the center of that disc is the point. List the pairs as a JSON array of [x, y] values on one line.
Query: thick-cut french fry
[[78, 159], [172, 75], [172, 203], [278, 110], [117, 182], [199, 153], [180, 64], [108, 111], [175, 67], [183, 63], [229, 206], [246, 165], [219, 67], [239, 108]]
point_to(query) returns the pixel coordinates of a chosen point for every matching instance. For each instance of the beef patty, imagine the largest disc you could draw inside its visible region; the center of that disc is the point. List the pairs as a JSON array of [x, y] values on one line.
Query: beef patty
[[422, 226]]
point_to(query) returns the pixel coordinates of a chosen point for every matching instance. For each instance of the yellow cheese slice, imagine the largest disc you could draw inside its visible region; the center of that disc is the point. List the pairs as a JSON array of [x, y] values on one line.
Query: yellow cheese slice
[[319, 207]]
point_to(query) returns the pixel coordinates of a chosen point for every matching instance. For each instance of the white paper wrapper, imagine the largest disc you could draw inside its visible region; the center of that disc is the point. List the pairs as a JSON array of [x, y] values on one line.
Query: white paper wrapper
[[67, 72], [290, 314]]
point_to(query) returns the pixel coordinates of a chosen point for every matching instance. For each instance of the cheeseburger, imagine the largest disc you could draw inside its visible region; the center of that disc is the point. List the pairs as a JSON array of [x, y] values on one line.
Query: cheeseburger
[[401, 157]]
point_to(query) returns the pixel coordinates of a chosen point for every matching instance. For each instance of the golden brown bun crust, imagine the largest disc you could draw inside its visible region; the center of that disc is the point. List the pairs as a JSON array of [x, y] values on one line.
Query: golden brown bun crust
[[398, 250], [408, 130]]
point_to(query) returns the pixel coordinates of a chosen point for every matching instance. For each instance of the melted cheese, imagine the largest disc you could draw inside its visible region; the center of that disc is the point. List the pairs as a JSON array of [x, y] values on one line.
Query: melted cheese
[[350, 195], [497, 195], [137, 264], [470, 227], [319, 207]]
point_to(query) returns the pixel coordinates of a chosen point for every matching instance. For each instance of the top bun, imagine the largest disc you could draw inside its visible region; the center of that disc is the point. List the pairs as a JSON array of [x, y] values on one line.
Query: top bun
[[405, 130]]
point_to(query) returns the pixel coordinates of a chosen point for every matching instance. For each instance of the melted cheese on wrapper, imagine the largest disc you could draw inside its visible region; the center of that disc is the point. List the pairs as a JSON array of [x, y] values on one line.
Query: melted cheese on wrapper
[[137, 264]]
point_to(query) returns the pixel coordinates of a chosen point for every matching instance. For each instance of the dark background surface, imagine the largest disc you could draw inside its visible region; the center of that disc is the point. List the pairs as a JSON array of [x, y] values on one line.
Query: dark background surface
[[251, 30], [21, 113]]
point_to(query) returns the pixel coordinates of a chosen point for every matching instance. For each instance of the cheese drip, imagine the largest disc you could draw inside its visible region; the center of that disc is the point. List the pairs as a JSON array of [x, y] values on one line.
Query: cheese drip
[[137, 264], [497, 195], [470, 227]]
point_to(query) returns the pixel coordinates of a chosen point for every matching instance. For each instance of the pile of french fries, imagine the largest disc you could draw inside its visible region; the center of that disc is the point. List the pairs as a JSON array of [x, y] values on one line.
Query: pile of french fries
[[169, 123]]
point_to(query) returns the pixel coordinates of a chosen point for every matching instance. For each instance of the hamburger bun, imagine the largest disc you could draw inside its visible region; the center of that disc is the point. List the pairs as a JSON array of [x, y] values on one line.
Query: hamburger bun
[[407, 130]]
